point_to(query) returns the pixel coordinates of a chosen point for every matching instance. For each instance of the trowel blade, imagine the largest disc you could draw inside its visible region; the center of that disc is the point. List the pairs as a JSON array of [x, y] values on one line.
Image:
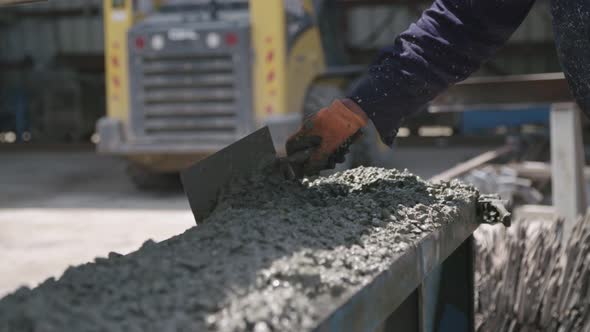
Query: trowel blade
[[203, 181]]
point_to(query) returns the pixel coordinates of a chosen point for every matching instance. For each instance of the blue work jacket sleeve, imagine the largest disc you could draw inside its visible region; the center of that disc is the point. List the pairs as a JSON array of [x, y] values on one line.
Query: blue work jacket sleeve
[[447, 44]]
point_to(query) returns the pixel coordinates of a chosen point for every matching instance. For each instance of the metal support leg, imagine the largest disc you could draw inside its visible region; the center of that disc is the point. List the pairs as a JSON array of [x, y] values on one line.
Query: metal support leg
[[567, 162], [444, 303], [455, 308], [428, 299], [406, 317]]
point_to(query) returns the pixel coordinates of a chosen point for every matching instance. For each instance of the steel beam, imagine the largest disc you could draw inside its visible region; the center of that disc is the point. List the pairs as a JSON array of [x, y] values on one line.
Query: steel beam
[[471, 164], [504, 93], [567, 164]]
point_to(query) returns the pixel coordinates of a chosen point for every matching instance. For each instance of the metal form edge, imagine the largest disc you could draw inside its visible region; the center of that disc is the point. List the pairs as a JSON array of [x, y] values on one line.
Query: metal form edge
[[367, 308]]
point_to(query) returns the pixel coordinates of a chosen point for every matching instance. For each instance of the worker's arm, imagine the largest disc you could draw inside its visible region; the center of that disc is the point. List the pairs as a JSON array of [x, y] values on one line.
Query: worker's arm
[[447, 44]]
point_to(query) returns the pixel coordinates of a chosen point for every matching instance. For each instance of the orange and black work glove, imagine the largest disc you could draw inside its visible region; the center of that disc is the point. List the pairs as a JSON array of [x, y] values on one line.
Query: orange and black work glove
[[325, 137]]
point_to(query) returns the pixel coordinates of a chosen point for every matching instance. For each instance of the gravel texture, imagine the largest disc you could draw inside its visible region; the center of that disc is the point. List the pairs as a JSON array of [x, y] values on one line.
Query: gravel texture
[[267, 258]]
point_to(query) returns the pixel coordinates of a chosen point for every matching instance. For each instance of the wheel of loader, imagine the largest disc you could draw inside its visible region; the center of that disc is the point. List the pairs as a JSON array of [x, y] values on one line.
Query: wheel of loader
[[145, 179]]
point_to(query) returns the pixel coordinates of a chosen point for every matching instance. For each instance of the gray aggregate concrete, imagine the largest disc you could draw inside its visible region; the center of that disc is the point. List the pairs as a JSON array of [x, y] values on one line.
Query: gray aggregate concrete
[[268, 257]]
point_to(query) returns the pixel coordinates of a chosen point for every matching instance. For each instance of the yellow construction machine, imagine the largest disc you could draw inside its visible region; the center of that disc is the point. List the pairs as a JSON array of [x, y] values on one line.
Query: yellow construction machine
[[189, 77]]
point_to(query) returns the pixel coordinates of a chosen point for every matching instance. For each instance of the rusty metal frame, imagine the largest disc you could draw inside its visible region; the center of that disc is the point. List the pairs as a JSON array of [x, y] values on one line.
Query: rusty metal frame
[[504, 93]]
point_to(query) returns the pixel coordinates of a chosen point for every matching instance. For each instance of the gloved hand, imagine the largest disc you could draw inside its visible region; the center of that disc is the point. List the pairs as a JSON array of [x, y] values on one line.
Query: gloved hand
[[325, 137]]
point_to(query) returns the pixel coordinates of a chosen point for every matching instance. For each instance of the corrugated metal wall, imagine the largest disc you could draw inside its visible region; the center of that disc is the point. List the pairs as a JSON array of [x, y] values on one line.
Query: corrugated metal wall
[[529, 50], [80, 31], [376, 27], [56, 27], [51, 63]]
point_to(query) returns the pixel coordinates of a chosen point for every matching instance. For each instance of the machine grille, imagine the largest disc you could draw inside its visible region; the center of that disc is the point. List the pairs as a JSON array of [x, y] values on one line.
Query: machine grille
[[190, 95]]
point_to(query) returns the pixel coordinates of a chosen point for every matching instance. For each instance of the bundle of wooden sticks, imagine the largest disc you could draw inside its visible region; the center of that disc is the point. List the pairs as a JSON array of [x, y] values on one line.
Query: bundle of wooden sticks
[[527, 280]]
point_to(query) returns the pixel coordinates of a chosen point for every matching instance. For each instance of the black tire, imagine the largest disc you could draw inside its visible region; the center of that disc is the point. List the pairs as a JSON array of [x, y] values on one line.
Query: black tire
[[145, 179]]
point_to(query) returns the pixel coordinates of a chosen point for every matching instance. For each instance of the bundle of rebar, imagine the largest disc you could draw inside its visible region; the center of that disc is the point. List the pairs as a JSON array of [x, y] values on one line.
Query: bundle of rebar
[[527, 280]]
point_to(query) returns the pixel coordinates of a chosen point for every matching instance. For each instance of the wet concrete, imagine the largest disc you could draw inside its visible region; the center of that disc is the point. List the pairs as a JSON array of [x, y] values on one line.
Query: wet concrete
[[62, 207], [265, 260]]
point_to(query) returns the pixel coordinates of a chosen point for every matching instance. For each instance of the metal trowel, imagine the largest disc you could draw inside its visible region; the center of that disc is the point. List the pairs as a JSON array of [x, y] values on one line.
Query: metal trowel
[[203, 181]]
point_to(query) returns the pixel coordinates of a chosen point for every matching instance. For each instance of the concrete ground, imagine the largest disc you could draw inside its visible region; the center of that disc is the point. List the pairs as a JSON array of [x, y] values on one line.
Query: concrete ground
[[62, 208], [66, 208]]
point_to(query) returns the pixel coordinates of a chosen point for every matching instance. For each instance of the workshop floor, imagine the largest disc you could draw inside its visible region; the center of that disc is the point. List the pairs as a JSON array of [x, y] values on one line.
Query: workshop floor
[[61, 209], [65, 208]]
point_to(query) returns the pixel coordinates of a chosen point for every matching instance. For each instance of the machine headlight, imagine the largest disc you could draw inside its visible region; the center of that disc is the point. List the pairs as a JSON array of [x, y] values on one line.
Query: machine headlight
[[213, 40], [158, 42]]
